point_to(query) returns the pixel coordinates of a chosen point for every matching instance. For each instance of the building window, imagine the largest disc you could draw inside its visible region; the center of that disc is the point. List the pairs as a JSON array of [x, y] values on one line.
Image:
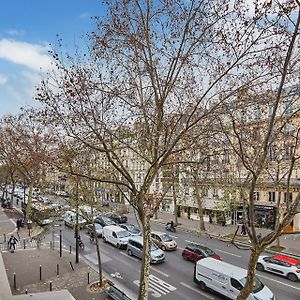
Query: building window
[[225, 158], [215, 192], [289, 107], [288, 153], [257, 113], [256, 196], [288, 196], [270, 110], [271, 196]]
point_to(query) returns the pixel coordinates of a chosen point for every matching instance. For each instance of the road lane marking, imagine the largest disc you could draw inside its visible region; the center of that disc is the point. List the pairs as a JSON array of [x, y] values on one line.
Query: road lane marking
[[277, 281], [173, 236], [158, 271], [157, 287], [190, 242], [197, 291], [218, 250]]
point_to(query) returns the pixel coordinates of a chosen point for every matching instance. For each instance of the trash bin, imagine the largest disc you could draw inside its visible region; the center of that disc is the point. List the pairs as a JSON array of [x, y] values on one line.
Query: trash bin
[[29, 224]]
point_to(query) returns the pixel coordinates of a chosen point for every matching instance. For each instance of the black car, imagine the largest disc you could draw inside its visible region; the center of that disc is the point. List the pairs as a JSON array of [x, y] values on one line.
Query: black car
[[118, 218], [104, 221]]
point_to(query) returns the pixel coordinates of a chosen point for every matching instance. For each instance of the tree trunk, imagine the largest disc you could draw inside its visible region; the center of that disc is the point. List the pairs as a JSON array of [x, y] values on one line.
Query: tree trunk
[[201, 218], [246, 291], [175, 206], [145, 266], [200, 207], [11, 202], [29, 200], [98, 255]]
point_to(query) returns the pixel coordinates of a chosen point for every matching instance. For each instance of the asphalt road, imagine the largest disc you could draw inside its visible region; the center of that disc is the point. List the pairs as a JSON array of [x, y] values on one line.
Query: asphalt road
[[173, 279]]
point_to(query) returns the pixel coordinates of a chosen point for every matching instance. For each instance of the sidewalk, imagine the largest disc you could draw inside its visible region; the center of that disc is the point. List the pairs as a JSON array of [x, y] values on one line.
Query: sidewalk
[[26, 264], [291, 243]]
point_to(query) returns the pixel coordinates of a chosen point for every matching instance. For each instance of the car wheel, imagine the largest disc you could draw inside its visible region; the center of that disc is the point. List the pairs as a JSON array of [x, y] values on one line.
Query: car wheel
[[129, 252], [163, 248], [202, 286], [292, 277], [118, 245], [260, 267]]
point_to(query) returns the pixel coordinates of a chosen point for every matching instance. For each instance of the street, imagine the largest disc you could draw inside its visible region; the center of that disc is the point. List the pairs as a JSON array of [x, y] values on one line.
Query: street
[[173, 279]]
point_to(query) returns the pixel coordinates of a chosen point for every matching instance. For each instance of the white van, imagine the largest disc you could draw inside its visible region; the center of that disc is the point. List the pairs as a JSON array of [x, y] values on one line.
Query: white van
[[227, 279], [116, 235]]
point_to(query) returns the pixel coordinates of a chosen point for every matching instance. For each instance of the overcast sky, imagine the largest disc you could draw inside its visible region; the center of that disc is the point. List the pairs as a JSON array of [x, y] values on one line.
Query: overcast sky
[[26, 29]]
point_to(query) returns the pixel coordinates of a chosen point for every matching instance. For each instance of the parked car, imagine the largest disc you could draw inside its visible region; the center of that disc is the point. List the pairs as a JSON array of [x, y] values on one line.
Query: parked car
[[227, 280], [104, 221], [70, 220], [195, 252], [280, 264], [135, 247], [118, 218], [133, 229], [116, 235], [163, 240], [99, 229]]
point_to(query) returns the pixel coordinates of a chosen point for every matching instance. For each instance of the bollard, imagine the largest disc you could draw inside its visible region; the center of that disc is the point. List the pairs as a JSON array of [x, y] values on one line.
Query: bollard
[[15, 281], [60, 244], [4, 236], [71, 266], [57, 269], [50, 244], [88, 277], [70, 249], [50, 286], [26, 292], [40, 272], [24, 244]]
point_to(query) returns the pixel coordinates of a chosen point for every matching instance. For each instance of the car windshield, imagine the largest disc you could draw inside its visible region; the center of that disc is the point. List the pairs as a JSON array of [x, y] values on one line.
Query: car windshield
[[166, 238], [258, 285], [133, 229], [153, 247], [207, 252], [122, 234], [98, 226]]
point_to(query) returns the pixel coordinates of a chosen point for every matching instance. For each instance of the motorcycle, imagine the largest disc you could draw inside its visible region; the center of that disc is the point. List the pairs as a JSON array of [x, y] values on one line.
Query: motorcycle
[[170, 228]]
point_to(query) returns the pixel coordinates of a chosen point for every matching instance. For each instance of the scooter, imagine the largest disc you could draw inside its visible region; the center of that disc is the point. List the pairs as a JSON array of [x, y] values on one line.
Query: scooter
[[170, 228]]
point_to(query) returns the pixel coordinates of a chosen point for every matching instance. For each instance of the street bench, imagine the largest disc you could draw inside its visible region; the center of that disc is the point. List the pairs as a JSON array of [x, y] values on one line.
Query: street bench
[[116, 294]]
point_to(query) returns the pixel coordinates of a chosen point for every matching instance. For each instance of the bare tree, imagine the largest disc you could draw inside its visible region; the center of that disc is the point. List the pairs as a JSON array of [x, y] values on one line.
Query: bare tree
[[153, 73]]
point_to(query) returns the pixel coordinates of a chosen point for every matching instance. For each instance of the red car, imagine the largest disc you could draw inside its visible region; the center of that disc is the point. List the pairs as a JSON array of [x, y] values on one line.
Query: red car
[[194, 252]]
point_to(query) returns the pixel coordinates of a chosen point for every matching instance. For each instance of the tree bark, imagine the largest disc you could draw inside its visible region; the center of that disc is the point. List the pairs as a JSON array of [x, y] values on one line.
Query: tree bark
[[11, 202], [29, 201], [246, 291], [145, 266]]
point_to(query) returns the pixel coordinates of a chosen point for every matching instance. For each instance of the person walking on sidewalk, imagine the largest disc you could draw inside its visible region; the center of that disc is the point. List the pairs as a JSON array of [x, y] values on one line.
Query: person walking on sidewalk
[[19, 224], [243, 231], [12, 243]]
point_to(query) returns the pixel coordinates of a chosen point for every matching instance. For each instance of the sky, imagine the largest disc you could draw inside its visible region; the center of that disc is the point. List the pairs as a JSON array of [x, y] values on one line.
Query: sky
[[27, 27]]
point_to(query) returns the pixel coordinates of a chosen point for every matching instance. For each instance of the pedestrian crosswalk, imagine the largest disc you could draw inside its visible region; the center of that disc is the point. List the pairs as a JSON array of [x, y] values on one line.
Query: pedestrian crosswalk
[[21, 244], [157, 286]]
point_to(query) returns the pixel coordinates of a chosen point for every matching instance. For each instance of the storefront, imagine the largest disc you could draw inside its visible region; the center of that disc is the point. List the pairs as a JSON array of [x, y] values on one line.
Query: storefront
[[264, 215]]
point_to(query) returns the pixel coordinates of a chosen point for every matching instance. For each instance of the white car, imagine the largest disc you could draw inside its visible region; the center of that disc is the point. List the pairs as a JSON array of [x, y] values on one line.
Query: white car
[[280, 264]]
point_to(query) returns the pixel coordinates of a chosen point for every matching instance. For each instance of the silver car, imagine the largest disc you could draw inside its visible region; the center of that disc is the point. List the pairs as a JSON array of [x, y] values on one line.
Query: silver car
[[135, 247]]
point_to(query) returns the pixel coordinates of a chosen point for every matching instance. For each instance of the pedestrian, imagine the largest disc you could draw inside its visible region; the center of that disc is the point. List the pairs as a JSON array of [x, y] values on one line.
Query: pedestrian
[[243, 231], [210, 219], [12, 243], [19, 224]]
